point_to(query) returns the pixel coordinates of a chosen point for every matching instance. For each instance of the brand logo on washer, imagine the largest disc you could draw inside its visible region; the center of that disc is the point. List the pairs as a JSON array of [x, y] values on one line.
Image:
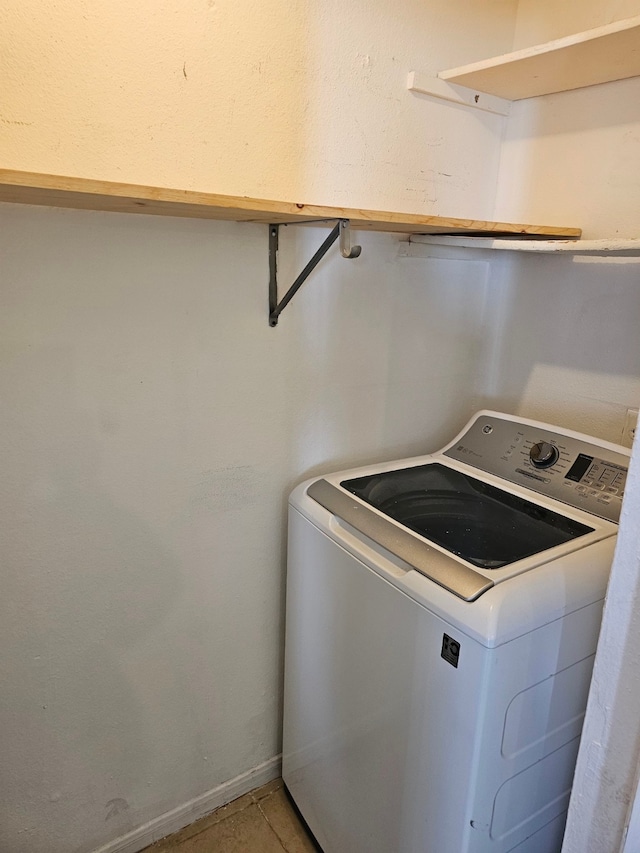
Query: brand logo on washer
[[487, 429], [450, 650]]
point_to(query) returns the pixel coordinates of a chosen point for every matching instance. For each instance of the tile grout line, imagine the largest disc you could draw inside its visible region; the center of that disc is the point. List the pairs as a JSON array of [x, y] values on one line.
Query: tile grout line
[[268, 822]]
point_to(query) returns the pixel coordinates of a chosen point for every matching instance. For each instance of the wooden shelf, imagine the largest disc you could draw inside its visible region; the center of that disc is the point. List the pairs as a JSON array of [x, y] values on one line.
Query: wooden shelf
[[596, 56], [602, 248], [83, 194]]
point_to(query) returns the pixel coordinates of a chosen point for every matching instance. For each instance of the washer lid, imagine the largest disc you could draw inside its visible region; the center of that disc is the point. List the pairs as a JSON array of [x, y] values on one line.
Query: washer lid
[[484, 525], [446, 571]]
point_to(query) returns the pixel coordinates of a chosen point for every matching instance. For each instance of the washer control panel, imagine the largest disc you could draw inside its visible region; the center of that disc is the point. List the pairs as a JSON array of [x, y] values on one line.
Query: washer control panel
[[576, 471]]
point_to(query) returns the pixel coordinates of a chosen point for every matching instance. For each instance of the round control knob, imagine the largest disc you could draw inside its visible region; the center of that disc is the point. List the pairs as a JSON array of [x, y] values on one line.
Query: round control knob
[[543, 454]]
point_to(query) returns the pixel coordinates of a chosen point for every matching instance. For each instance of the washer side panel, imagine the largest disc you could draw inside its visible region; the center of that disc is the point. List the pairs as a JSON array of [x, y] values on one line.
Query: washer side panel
[[379, 728]]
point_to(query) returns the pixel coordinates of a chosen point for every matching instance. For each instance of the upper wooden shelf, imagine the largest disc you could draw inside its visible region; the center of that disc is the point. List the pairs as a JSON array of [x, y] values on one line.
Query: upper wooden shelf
[[83, 194], [596, 56]]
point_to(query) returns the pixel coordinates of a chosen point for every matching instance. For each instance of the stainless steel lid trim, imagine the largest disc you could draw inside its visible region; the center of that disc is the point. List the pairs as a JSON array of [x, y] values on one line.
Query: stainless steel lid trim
[[438, 567]]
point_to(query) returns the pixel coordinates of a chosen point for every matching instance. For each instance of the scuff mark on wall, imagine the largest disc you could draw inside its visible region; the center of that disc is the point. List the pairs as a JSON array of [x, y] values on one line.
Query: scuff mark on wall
[[16, 123], [115, 807]]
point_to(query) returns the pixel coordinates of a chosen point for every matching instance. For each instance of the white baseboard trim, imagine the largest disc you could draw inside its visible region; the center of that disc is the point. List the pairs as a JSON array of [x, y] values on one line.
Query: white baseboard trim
[[187, 813]]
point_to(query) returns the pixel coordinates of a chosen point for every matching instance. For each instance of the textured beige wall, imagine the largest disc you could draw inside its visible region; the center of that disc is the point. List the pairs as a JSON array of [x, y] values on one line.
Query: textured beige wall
[[152, 422], [281, 99]]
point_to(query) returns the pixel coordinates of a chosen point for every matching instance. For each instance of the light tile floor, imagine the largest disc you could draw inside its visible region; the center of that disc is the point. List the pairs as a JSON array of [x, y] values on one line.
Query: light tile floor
[[263, 821]]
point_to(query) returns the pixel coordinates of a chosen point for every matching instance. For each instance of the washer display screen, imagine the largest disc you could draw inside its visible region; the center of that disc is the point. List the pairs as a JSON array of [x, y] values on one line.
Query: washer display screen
[[579, 467]]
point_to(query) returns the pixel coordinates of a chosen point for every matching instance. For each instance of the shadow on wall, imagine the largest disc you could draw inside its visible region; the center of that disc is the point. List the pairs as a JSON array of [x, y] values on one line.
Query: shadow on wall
[[85, 585], [572, 158], [388, 354], [566, 342]]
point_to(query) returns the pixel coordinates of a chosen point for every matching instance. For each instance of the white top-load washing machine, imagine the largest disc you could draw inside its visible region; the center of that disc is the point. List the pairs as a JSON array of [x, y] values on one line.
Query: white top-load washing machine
[[442, 618]]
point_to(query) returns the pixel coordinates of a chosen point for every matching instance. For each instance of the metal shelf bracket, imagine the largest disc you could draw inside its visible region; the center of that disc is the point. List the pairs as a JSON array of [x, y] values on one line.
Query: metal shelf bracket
[[340, 230]]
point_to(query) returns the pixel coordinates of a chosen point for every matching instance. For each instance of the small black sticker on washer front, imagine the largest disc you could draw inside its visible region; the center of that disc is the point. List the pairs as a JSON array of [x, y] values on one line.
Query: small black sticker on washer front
[[450, 650]]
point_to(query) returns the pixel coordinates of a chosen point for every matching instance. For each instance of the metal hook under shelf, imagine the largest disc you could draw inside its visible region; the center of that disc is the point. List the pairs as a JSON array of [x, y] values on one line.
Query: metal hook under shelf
[[341, 230]]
